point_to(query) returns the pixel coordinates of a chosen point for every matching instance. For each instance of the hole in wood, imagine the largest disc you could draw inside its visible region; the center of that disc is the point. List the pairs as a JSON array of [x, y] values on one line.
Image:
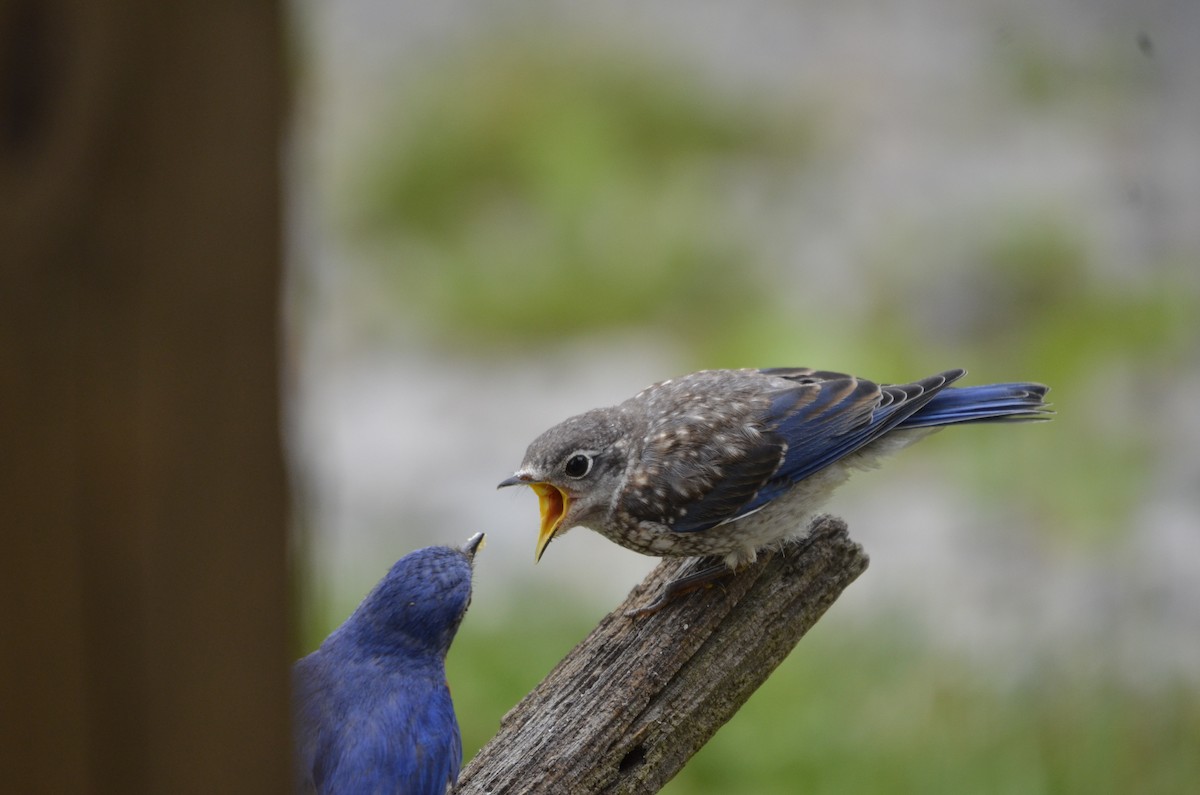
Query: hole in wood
[[635, 757]]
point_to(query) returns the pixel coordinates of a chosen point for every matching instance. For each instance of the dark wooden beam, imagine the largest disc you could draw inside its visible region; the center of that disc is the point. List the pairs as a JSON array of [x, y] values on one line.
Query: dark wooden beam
[[143, 574]]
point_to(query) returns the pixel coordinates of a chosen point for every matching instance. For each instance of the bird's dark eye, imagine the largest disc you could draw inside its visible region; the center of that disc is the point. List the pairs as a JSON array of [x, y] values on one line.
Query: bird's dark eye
[[578, 465]]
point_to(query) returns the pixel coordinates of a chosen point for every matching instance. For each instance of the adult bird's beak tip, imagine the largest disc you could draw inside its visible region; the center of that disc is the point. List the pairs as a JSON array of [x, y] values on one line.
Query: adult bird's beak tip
[[474, 544]]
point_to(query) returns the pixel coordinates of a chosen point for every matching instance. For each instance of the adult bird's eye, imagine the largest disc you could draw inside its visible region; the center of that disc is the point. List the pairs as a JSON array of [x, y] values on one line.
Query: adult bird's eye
[[578, 465]]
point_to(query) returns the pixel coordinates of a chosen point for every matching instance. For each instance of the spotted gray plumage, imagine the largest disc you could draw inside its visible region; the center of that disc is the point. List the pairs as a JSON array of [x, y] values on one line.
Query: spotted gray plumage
[[727, 462]]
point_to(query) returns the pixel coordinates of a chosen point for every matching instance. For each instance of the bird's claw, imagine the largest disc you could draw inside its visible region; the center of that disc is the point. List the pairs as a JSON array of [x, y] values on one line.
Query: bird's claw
[[705, 576]]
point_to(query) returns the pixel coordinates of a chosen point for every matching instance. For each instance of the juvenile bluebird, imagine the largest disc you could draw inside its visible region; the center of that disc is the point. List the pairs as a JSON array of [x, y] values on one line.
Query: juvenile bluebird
[[371, 706], [726, 463]]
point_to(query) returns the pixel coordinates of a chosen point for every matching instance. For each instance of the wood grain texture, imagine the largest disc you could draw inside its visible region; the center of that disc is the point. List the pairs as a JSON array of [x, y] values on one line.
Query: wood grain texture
[[628, 706]]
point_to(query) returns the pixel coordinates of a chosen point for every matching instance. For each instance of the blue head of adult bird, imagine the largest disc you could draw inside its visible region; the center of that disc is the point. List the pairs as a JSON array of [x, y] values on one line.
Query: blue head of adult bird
[[371, 706], [726, 463]]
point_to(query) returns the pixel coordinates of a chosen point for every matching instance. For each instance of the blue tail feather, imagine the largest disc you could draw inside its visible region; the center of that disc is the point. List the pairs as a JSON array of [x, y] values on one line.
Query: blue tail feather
[[1021, 402]]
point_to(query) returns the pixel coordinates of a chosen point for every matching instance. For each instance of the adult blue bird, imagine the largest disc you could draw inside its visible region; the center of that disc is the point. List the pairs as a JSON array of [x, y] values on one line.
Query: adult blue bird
[[726, 463], [371, 706]]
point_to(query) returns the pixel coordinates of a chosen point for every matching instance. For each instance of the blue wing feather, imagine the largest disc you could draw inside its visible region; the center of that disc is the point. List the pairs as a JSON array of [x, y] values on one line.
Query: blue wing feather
[[862, 415], [827, 416]]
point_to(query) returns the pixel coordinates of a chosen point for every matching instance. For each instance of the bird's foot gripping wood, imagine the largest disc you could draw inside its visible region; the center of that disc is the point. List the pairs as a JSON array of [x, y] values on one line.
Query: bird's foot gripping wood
[[711, 570], [706, 572]]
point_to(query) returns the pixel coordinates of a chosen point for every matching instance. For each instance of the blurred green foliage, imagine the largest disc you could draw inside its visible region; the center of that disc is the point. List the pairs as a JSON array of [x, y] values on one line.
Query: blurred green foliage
[[526, 195], [1025, 300], [872, 712]]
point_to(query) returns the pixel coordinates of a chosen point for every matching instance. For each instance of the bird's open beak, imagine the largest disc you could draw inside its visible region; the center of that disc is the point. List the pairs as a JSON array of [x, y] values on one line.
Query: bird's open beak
[[552, 504], [474, 544]]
